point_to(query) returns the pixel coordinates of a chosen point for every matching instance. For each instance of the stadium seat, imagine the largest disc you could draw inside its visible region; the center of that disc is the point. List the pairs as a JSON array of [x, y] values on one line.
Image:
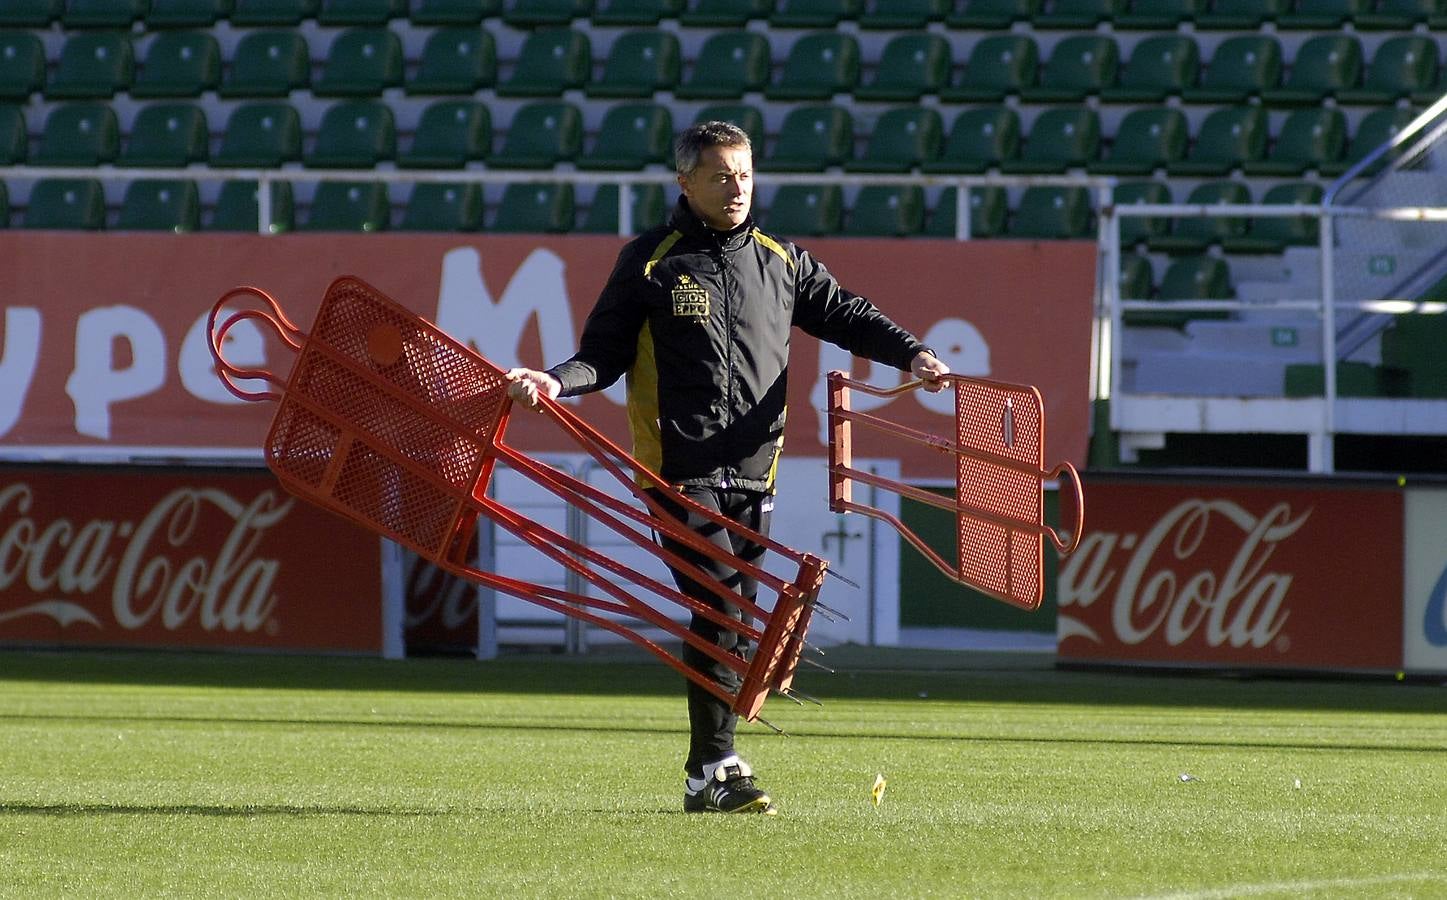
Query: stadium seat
[[901, 15], [443, 207], [260, 135], [636, 12], [1160, 66], [1000, 64], [167, 135], [886, 211], [349, 206], [1323, 66], [1229, 137], [552, 60], [170, 205], [1188, 278], [1397, 15], [980, 139], [272, 12], [543, 208], [102, 13], [724, 13], [1080, 66], [1140, 229], [542, 134], [993, 15], [1400, 67], [1376, 128], [544, 13], [650, 209], [744, 115], [1062, 138], [78, 134], [92, 65], [1272, 234], [1051, 213], [354, 134], [805, 210], [1321, 15], [1148, 138], [632, 136], [186, 13], [335, 13], [66, 203], [1137, 277], [179, 64], [1242, 66], [812, 139], [819, 65], [910, 66], [14, 140], [449, 135], [1309, 138], [1158, 15], [454, 12], [22, 65], [1077, 13], [903, 138], [455, 60], [729, 65], [362, 62], [1193, 234], [989, 208], [1240, 15], [270, 63], [824, 14], [30, 13], [238, 208], [640, 64]]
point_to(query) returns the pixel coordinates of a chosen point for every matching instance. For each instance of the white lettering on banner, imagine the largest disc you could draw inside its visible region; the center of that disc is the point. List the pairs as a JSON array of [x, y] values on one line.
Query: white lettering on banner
[[17, 366], [1243, 606], [245, 348], [455, 597], [95, 383], [231, 591], [960, 346]]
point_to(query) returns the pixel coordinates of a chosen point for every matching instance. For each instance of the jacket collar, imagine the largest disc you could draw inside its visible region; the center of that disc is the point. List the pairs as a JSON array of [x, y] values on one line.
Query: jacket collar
[[687, 222]]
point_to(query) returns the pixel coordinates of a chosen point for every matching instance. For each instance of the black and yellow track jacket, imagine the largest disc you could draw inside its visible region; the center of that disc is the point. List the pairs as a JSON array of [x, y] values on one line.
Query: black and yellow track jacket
[[700, 322]]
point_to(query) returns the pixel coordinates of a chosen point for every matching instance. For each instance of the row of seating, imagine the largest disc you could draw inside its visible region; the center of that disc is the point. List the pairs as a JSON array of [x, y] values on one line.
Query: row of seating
[[633, 136], [885, 14], [732, 64]]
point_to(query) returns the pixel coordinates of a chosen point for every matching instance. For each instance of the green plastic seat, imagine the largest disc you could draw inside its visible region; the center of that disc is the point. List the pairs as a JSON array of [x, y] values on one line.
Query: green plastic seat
[[1229, 138], [542, 134], [989, 208], [819, 65], [262, 135], [551, 61], [541, 208], [349, 206], [102, 13], [1308, 139], [1158, 15], [456, 60], [1318, 15], [900, 15], [1193, 234], [1376, 128], [443, 207], [92, 65], [449, 135], [910, 66], [545, 13], [1241, 67], [886, 211], [1140, 229], [1240, 15], [270, 63], [1078, 13], [980, 139], [272, 12], [729, 65], [999, 65], [336, 13], [650, 209], [724, 13], [1272, 234], [238, 208], [1137, 277], [354, 134], [1187, 278], [14, 139], [186, 13], [636, 12], [79, 134], [903, 138], [363, 62], [812, 139], [993, 15], [1081, 65], [1049, 212], [744, 115], [167, 135], [1400, 67], [30, 13], [640, 64], [454, 12], [179, 64], [76, 204], [813, 13], [22, 65], [1148, 138], [1062, 138], [805, 210], [1397, 15], [1323, 66], [1160, 66], [632, 136], [170, 205]]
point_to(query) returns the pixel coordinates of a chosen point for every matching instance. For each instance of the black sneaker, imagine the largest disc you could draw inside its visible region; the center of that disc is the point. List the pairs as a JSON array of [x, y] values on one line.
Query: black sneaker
[[731, 790]]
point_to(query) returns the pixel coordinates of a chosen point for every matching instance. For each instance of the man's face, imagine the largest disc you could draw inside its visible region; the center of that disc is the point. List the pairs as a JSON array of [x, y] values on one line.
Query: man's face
[[720, 189]]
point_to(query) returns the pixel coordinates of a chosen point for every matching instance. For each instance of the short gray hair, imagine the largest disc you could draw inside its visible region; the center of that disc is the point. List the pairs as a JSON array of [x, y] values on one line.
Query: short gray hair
[[697, 138]]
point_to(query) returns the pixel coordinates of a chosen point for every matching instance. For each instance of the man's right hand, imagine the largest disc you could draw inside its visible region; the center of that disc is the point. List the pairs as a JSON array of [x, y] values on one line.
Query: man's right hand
[[526, 385]]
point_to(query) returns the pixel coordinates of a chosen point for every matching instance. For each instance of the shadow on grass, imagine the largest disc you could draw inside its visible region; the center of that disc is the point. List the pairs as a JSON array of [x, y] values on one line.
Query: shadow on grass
[[241, 811]]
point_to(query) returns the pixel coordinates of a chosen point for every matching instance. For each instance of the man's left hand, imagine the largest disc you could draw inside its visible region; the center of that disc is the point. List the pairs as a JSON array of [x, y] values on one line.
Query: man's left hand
[[930, 369]]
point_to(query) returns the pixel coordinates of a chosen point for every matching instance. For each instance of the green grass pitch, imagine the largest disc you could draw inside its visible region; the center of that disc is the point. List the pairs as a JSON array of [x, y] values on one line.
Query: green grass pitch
[[154, 774]]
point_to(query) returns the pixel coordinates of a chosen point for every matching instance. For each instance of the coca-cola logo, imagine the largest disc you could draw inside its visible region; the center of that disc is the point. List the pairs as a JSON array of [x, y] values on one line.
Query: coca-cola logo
[[1161, 588], [161, 567], [433, 593]]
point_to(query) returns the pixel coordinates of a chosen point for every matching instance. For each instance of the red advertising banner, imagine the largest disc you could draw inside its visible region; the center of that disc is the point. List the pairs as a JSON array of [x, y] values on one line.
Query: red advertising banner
[[104, 345], [140, 557], [1241, 574]]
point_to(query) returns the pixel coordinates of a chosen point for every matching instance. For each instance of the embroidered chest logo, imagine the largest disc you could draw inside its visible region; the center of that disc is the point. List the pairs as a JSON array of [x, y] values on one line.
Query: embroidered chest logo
[[690, 298]]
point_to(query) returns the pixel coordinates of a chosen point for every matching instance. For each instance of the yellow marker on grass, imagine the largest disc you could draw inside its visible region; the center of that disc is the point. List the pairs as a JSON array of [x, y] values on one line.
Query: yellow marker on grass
[[876, 793]]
